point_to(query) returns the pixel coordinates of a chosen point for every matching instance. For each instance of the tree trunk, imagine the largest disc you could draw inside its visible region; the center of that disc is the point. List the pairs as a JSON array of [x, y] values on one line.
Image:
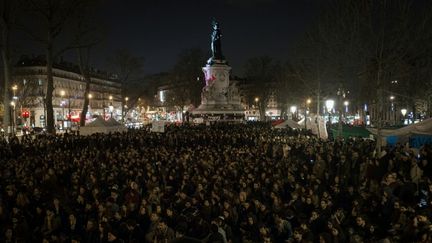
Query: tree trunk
[[86, 103], [262, 110], [87, 78], [6, 72], [50, 89]]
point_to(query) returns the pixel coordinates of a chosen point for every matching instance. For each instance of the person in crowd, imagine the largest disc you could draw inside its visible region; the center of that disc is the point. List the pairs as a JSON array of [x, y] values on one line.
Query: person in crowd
[[219, 183]]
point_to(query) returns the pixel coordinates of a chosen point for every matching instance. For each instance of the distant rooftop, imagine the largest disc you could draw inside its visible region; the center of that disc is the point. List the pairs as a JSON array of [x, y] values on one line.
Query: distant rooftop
[[26, 61]]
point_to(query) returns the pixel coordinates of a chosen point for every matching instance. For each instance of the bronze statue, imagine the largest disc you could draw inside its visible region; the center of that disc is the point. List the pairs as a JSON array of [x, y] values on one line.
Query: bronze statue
[[216, 42]]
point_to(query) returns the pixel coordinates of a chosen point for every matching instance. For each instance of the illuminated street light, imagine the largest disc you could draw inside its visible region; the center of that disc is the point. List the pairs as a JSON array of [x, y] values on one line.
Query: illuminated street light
[[392, 97], [90, 96], [308, 101], [293, 110], [256, 99], [111, 107], [13, 104], [346, 104], [329, 106], [14, 89], [404, 111], [62, 104]]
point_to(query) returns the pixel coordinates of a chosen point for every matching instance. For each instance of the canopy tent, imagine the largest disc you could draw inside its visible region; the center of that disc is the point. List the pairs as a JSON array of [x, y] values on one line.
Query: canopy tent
[[316, 124], [98, 122], [416, 134], [288, 123], [112, 122], [99, 125]]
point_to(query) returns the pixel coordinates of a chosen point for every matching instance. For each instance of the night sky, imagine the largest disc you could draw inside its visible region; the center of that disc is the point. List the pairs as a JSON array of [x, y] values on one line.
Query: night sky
[[158, 30]]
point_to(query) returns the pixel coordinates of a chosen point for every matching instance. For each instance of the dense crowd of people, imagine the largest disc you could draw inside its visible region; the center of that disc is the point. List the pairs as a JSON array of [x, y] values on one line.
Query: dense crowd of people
[[222, 183]]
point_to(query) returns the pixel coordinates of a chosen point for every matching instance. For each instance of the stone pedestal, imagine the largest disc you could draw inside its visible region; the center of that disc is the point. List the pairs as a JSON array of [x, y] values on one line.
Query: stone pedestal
[[220, 99]]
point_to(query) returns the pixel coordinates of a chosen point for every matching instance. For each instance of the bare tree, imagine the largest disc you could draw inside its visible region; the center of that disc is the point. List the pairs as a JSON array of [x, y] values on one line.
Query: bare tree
[[368, 44], [185, 80], [128, 68], [262, 75], [88, 34], [7, 13], [53, 17]]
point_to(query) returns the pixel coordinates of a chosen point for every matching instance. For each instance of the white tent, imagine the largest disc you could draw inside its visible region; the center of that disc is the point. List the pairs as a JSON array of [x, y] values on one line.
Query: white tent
[[421, 128], [316, 124], [415, 134], [99, 125], [112, 122], [289, 123]]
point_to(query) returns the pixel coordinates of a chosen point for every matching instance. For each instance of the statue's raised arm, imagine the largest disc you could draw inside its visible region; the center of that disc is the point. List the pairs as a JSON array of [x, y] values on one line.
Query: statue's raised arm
[[216, 46]]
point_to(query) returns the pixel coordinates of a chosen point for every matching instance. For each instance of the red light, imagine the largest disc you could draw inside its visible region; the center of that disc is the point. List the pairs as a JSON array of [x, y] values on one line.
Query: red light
[[25, 114]]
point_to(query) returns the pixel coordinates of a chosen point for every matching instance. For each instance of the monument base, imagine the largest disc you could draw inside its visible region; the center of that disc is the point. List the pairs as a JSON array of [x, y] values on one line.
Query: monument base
[[219, 113]]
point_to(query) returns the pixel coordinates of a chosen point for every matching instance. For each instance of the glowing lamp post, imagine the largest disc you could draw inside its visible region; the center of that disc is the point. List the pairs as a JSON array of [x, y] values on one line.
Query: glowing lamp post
[[111, 107], [13, 104], [308, 102], [256, 106], [90, 96], [346, 104], [293, 110], [124, 113], [62, 94], [329, 106], [404, 112]]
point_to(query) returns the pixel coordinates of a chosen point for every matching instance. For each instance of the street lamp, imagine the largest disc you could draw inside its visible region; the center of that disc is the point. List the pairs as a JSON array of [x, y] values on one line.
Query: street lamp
[[293, 109], [308, 102], [111, 107], [329, 105], [13, 104], [90, 96], [256, 106], [404, 112], [14, 89], [346, 104], [62, 104], [125, 108]]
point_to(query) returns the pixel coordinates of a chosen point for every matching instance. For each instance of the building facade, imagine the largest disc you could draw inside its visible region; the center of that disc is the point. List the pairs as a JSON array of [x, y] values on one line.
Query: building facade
[[30, 82]]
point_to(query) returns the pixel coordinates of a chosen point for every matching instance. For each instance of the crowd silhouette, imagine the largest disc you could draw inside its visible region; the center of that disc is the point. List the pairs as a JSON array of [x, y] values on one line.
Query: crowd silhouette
[[220, 183]]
